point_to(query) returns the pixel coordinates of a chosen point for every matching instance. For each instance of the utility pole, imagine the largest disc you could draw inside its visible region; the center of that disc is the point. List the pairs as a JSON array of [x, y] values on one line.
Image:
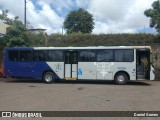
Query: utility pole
[[25, 13], [62, 29]]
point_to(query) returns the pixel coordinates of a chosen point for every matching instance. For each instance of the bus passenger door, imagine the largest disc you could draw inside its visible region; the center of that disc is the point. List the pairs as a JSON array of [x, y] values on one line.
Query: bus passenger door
[[71, 65], [143, 64]]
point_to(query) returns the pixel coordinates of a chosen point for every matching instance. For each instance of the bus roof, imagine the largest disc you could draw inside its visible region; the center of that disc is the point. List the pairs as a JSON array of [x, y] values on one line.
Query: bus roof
[[89, 47]]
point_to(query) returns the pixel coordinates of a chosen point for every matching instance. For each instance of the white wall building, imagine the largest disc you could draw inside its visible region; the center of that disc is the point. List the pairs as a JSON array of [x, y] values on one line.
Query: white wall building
[[3, 28]]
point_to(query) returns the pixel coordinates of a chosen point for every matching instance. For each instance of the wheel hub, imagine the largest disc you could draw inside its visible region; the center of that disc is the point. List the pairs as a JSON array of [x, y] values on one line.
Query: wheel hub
[[48, 77], [121, 79]]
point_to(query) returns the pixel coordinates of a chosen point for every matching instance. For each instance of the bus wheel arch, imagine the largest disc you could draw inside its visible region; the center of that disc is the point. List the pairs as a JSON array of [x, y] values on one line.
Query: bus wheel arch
[[48, 76], [121, 78]]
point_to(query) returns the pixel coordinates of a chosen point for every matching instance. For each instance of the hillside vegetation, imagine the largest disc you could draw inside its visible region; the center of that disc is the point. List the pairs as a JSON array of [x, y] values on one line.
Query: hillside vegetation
[[58, 40]]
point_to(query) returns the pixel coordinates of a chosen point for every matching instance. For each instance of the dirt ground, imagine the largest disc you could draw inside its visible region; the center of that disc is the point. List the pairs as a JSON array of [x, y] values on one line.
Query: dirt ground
[[33, 95]]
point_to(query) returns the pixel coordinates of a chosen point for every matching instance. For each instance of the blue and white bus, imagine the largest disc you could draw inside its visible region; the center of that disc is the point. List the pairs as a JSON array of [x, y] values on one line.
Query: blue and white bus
[[118, 63]]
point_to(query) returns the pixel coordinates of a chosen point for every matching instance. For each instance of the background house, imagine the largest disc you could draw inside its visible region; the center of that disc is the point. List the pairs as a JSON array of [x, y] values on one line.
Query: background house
[[36, 31], [3, 28]]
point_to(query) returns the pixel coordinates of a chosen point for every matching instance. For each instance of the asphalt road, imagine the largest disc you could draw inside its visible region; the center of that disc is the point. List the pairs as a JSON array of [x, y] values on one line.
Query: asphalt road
[[33, 95]]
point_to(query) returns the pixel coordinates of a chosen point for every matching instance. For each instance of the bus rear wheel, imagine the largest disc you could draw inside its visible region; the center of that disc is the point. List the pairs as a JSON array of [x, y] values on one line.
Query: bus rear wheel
[[121, 79], [48, 77]]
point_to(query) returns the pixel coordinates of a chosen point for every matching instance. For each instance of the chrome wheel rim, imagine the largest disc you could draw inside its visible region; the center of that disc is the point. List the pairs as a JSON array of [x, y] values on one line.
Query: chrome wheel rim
[[121, 79], [48, 78]]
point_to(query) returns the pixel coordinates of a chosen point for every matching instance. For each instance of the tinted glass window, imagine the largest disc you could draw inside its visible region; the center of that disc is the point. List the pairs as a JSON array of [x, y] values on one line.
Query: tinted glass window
[[40, 55], [13, 55], [87, 56], [25, 56], [35, 56], [105, 55], [67, 58], [124, 55], [55, 56], [71, 58], [128, 56], [118, 55], [75, 58]]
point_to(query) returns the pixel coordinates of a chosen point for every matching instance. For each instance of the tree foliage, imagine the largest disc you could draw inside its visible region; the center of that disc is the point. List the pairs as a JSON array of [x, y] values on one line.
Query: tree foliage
[[16, 33], [154, 14], [36, 39], [4, 17], [82, 40], [79, 21]]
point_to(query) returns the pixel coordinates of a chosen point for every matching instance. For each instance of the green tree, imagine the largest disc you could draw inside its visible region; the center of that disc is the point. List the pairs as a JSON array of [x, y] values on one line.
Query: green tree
[[154, 14], [4, 17], [79, 21], [16, 33]]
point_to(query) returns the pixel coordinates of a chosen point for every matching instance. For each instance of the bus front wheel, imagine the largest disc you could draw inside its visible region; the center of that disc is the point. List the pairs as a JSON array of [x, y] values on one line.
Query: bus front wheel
[[48, 77], [121, 79]]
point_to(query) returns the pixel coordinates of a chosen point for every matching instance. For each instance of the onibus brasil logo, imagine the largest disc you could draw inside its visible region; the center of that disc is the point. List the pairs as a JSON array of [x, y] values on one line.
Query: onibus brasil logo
[[103, 67]]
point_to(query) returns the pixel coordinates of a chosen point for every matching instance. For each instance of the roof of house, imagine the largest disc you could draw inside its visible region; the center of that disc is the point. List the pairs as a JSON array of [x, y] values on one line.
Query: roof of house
[[37, 29]]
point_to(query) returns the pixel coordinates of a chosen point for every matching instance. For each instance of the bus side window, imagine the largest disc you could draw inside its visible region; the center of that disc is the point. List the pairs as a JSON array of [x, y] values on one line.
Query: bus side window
[[128, 55], [13, 55], [87, 56], [105, 56], [124, 56], [43, 55], [35, 56], [40, 55], [119, 55], [55, 56], [25, 56]]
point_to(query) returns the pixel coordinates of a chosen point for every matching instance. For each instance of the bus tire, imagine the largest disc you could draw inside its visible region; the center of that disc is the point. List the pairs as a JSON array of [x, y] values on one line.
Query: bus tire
[[48, 77], [121, 79]]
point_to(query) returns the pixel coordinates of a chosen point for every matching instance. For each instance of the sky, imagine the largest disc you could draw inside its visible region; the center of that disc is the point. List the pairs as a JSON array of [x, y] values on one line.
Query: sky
[[110, 16]]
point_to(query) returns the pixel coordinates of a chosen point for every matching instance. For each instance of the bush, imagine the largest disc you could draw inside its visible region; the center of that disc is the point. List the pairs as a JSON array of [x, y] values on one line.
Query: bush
[[101, 40]]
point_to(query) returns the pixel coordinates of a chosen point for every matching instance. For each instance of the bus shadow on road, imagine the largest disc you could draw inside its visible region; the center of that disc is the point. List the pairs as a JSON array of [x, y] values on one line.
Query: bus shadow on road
[[137, 83], [99, 82], [23, 81], [102, 82]]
